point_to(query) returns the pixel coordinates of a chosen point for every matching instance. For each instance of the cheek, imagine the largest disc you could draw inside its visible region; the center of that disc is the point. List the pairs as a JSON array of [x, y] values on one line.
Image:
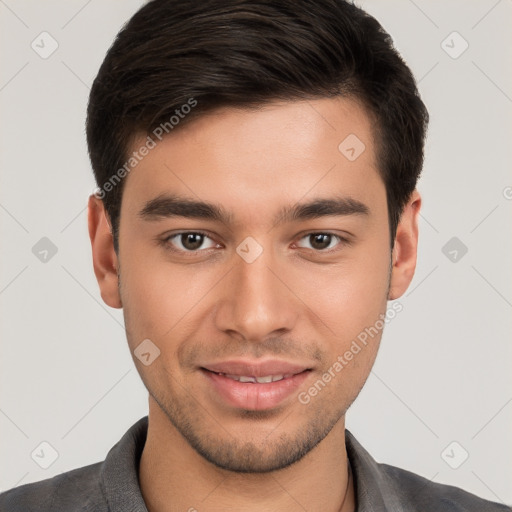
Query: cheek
[[350, 296], [352, 303], [159, 297]]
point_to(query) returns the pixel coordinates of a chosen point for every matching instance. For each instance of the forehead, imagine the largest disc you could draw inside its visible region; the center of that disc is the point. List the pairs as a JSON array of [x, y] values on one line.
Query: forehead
[[278, 153]]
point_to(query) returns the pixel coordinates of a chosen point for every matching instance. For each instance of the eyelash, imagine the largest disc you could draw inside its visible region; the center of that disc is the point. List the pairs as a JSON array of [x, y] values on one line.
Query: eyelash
[[166, 242]]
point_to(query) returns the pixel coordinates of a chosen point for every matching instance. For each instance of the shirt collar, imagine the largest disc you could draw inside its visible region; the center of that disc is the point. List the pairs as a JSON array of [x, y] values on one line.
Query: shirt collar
[[374, 490], [120, 472], [120, 481]]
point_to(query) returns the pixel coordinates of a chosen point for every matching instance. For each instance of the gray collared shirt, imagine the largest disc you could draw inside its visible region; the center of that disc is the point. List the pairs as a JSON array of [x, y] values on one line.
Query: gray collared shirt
[[113, 486]]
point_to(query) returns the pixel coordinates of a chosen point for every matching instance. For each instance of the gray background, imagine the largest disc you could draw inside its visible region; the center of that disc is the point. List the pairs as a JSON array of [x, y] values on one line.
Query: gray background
[[443, 372]]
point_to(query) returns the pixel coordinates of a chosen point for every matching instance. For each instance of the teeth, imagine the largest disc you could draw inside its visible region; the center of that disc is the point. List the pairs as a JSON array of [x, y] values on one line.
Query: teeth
[[261, 380], [243, 378], [264, 380]]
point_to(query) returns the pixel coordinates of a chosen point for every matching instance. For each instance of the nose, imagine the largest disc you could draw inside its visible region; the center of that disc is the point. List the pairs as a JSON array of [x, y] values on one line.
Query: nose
[[256, 301]]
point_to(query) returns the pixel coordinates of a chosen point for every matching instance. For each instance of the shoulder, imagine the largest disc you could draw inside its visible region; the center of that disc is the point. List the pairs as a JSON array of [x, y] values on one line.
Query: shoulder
[[79, 489], [381, 487], [418, 493]]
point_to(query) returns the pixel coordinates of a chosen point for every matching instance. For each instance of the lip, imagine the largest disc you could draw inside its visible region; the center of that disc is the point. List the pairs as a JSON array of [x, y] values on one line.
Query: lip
[[254, 396]]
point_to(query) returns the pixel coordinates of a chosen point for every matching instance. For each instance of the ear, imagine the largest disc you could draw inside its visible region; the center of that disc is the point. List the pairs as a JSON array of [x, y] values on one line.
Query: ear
[[405, 248], [103, 254]]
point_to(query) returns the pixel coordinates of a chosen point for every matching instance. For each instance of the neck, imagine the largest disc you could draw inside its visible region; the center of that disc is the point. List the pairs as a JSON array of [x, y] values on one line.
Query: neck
[[173, 476]]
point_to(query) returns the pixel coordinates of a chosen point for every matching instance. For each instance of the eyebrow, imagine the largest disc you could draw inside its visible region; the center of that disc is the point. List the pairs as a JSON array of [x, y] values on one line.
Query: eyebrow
[[169, 206]]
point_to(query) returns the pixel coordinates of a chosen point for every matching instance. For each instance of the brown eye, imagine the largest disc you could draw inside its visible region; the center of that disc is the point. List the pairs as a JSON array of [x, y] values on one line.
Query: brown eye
[[190, 241], [320, 241]]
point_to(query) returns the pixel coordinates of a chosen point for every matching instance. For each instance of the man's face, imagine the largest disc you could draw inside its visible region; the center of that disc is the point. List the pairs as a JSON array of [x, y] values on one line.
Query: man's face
[[257, 293]]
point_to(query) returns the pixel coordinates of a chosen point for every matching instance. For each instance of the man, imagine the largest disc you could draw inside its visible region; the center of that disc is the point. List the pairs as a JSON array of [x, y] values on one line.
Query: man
[[257, 209]]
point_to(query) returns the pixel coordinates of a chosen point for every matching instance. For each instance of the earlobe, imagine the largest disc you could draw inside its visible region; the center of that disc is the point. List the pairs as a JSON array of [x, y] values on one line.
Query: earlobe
[[405, 248], [104, 257]]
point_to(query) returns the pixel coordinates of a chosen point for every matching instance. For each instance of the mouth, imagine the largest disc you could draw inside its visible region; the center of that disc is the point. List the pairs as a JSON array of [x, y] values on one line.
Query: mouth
[[257, 380], [254, 386]]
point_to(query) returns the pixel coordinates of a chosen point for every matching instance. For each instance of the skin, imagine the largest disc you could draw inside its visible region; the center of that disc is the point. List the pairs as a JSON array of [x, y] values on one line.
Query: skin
[[295, 302]]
